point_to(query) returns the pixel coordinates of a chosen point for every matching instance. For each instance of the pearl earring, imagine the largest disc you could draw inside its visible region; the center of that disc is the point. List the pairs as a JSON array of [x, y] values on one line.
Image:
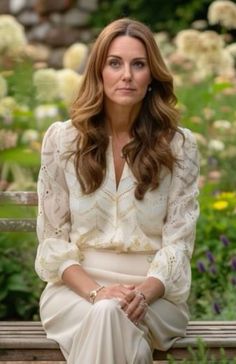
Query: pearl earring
[[149, 88]]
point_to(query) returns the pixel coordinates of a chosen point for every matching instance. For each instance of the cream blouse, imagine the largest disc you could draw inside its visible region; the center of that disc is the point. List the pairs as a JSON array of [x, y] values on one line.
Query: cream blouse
[[163, 223]]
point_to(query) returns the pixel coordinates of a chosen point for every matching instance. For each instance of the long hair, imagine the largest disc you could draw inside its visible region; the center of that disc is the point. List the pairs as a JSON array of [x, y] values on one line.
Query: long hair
[[153, 129]]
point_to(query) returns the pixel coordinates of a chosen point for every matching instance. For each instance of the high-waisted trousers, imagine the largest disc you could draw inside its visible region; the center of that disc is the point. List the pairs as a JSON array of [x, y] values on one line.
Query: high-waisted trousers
[[102, 333]]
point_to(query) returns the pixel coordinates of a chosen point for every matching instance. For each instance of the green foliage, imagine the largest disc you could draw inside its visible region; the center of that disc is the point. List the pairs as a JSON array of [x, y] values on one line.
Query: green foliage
[[214, 274], [171, 16], [200, 355], [19, 286], [21, 87], [214, 261], [201, 105]]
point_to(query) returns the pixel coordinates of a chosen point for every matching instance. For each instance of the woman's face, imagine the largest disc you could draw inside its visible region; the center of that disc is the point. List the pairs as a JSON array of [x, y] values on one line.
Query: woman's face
[[126, 74]]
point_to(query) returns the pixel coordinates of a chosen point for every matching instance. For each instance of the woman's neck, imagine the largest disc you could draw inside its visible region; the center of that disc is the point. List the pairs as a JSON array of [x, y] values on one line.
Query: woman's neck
[[119, 119]]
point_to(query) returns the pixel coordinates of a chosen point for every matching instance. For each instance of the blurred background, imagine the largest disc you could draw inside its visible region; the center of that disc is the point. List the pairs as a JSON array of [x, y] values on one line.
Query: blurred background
[[44, 46]]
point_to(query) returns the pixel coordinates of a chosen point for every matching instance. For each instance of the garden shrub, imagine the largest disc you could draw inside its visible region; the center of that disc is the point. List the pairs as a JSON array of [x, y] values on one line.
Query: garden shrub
[[20, 288], [170, 16]]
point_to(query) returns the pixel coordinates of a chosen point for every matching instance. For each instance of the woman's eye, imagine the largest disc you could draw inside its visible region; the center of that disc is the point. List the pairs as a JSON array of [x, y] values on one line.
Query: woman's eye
[[139, 64], [114, 63]]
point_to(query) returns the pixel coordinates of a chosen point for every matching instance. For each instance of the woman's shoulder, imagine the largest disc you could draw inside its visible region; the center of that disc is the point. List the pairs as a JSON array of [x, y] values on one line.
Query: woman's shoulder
[[184, 140], [60, 133], [58, 127]]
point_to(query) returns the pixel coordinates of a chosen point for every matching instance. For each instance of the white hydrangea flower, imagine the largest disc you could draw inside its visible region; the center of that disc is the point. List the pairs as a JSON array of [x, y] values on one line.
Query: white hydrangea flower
[[8, 139], [213, 59], [210, 41], [216, 145], [46, 111], [222, 124], [188, 43], [69, 84], [29, 135], [221, 64], [46, 84], [222, 12], [75, 56], [231, 49], [12, 36], [3, 87], [7, 106]]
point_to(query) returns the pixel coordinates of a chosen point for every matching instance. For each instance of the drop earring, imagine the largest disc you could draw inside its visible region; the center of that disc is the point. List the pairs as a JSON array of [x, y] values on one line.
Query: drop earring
[[149, 88]]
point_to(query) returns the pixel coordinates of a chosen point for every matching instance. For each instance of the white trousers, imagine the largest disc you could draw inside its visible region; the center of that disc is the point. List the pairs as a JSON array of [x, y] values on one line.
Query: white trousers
[[102, 333]]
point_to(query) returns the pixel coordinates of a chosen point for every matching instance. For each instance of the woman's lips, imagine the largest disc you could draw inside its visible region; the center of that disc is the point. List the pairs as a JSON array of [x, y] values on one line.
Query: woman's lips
[[126, 89]]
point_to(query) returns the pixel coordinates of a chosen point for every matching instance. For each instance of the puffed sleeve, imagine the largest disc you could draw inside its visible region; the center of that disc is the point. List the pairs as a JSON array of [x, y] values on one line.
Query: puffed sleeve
[[171, 264], [55, 251]]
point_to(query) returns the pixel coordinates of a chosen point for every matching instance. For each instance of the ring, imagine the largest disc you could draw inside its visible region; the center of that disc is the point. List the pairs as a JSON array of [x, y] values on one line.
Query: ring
[[141, 294], [143, 304]]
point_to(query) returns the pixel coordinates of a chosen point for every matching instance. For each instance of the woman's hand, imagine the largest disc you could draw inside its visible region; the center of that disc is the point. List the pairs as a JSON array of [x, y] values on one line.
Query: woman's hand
[[137, 307], [123, 293], [130, 300]]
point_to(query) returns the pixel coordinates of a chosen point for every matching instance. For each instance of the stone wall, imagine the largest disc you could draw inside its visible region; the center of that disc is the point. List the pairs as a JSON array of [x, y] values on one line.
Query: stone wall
[[52, 25]]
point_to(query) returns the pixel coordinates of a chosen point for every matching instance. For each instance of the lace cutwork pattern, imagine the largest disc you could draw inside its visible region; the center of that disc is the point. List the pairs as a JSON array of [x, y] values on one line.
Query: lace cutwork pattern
[[111, 218]]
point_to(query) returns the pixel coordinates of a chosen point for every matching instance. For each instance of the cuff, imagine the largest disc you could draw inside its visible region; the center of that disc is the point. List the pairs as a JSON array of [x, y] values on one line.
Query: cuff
[[65, 265], [161, 279]]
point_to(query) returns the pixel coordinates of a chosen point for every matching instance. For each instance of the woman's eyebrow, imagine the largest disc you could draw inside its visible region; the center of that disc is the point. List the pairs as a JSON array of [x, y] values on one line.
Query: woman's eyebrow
[[134, 59]]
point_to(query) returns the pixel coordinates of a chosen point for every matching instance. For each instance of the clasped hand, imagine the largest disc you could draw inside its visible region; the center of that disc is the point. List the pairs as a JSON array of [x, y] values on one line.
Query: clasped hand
[[131, 301]]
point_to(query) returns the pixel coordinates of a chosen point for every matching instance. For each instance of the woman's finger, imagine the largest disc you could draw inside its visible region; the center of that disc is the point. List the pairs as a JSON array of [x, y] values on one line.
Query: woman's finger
[[139, 318]]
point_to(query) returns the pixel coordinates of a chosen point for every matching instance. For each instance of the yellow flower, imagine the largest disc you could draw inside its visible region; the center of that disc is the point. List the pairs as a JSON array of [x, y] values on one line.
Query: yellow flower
[[220, 205], [227, 195]]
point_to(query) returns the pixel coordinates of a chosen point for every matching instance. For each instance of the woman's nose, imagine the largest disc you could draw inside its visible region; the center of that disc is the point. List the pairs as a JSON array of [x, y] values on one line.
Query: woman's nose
[[127, 75]]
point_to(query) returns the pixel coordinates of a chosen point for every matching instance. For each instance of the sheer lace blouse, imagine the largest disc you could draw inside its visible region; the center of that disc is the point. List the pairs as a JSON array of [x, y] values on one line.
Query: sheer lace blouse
[[163, 223]]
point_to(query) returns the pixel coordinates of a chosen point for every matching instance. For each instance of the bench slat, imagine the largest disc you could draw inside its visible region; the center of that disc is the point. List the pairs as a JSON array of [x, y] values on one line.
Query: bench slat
[[19, 198], [25, 355], [16, 335], [13, 225]]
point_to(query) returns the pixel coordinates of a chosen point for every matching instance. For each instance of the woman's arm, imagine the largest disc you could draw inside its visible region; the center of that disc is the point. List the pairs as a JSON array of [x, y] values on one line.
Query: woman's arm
[[169, 275], [171, 264], [55, 251], [79, 281]]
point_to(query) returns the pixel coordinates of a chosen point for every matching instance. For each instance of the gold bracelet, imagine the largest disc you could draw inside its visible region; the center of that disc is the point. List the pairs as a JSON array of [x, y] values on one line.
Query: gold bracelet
[[93, 293]]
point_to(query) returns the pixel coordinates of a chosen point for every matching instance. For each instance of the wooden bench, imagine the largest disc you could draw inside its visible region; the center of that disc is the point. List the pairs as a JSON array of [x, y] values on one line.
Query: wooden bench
[[26, 340]]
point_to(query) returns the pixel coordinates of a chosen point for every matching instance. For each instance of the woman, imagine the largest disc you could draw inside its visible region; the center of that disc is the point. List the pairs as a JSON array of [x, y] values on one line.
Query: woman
[[117, 208]]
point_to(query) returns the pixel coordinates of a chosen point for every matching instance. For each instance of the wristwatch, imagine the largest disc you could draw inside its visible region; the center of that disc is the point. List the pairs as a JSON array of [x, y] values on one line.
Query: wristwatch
[[93, 294]]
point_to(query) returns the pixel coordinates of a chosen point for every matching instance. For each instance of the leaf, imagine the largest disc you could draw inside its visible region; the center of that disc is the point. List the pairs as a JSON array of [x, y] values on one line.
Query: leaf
[[3, 293], [22, 156], [16, 282], [219, 87]]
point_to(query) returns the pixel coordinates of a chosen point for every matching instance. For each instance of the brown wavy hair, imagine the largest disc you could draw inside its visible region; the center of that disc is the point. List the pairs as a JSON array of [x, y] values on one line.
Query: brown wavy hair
[[152, 130]]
